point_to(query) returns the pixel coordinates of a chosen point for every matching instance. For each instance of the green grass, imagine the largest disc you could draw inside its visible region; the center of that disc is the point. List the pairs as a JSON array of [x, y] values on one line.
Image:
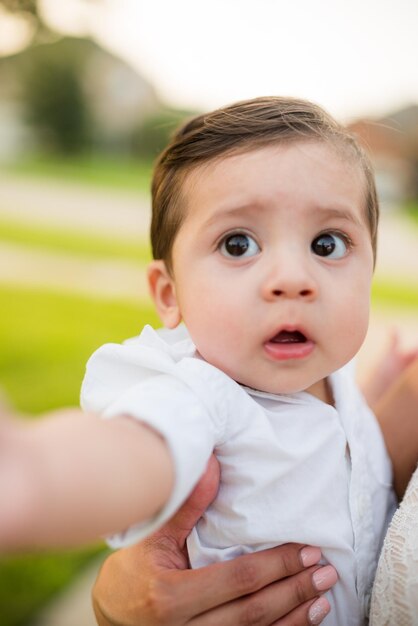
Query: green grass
[[73, 242], [46, 339], [97, 170], [28, 581], [411, 208]]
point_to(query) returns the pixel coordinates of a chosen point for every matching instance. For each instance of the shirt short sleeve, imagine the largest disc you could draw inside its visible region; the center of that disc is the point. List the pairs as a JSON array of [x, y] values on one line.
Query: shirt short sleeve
[[152, 385]]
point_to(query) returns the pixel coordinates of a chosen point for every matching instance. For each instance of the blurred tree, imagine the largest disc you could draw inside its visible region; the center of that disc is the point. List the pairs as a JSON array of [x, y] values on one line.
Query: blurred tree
[[21, 6], [72, 95], [27, 6], [55, 103]]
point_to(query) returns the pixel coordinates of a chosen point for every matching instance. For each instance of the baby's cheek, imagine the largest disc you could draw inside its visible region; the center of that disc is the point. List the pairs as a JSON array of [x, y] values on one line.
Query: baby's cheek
[[223, 346], [357, 323]]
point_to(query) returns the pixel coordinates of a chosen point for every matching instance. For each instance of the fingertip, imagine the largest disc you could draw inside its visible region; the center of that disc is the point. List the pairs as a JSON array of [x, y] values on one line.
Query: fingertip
[[310, 555], [318, 610], [324, 578], [213, 468]]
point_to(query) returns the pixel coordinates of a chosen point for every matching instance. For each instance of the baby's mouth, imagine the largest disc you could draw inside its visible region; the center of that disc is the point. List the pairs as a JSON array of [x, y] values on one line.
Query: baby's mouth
[[289, 344], [289, 337]]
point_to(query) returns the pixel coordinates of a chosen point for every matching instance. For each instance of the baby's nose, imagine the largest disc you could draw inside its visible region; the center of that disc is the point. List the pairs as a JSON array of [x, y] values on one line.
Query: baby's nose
[[290, 283]]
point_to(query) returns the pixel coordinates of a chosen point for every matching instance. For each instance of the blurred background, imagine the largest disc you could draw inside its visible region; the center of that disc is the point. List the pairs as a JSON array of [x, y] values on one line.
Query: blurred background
[[90, 91]]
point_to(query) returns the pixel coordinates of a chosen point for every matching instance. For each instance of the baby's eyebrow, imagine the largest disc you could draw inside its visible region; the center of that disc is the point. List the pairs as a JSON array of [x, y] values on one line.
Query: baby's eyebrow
[[241, 210], [342, 214], [230, 212]]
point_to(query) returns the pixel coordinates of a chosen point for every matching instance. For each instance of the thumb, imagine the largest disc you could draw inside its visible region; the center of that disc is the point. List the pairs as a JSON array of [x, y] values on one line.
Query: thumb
[[181, 525]]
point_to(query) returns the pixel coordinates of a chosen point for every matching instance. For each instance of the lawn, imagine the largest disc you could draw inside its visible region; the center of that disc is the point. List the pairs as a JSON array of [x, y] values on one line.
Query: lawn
[[411, 208], [94, 170], [41, 366]]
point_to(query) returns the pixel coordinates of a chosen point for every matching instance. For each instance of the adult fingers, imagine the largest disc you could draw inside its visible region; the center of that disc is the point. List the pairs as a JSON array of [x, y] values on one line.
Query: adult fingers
[[134, 588], [200, 590], [272, 603]]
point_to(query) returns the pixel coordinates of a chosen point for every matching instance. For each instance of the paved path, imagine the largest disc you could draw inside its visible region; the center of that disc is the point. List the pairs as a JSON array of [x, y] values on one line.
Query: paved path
[[127, 215], [24, 266], [58, 204]]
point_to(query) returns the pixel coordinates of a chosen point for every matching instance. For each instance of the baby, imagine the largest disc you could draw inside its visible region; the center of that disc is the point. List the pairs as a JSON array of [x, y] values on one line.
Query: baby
[[264, 239]]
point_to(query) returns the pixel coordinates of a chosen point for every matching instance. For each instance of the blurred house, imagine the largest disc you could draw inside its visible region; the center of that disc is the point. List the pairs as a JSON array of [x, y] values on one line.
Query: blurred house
[[68, 95], [392, 142]]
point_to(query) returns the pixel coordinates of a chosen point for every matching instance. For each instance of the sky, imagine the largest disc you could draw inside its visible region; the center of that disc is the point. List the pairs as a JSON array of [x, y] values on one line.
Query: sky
[[355, 57]]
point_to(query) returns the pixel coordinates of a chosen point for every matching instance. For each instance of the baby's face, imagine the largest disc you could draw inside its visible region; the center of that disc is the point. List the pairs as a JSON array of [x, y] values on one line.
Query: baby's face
[[273, 264]]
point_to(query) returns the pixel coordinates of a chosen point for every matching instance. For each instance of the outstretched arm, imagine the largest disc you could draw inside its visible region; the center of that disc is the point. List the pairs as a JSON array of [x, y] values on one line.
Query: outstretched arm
[[71, 477]]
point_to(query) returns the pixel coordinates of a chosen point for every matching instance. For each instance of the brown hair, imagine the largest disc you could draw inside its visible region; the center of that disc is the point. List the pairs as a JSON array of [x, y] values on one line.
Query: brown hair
[[242, 127]]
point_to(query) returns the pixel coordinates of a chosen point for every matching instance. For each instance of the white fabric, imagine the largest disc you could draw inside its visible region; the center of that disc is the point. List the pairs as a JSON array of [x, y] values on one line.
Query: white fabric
[[292, 467], [395, 592]]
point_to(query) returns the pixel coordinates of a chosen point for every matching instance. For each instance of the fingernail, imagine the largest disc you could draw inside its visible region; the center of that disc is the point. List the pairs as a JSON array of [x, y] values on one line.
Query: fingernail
[[310, 556], [324, 578], [318, 610]]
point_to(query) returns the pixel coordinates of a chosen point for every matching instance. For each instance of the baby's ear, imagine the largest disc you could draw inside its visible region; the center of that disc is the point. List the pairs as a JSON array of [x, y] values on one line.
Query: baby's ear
[[163, 292]]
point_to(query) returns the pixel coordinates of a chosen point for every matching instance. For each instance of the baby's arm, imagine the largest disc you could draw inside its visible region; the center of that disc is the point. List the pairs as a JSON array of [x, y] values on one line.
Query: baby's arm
[[397, 412], [392, 393], [390, 367], [72, 477]]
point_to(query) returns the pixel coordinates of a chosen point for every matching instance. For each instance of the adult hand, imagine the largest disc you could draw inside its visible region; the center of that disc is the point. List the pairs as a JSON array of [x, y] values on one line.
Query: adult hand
[[150, 584]]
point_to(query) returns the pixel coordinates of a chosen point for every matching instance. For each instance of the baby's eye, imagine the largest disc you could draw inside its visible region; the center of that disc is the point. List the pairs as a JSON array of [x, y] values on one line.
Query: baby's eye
[[330, 245], [239, 245]]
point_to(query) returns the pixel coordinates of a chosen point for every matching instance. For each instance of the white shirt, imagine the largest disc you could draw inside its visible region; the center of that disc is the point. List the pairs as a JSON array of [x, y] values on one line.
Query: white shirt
[[292, 467]]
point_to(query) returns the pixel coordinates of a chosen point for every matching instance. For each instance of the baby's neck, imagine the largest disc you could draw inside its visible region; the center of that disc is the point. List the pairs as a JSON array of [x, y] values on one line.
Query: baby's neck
[[322, 391]]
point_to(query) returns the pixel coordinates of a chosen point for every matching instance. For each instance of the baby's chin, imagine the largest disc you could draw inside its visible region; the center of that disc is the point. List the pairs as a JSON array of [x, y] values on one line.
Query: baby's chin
[[282, 385], [318, 388], [276, 389]]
